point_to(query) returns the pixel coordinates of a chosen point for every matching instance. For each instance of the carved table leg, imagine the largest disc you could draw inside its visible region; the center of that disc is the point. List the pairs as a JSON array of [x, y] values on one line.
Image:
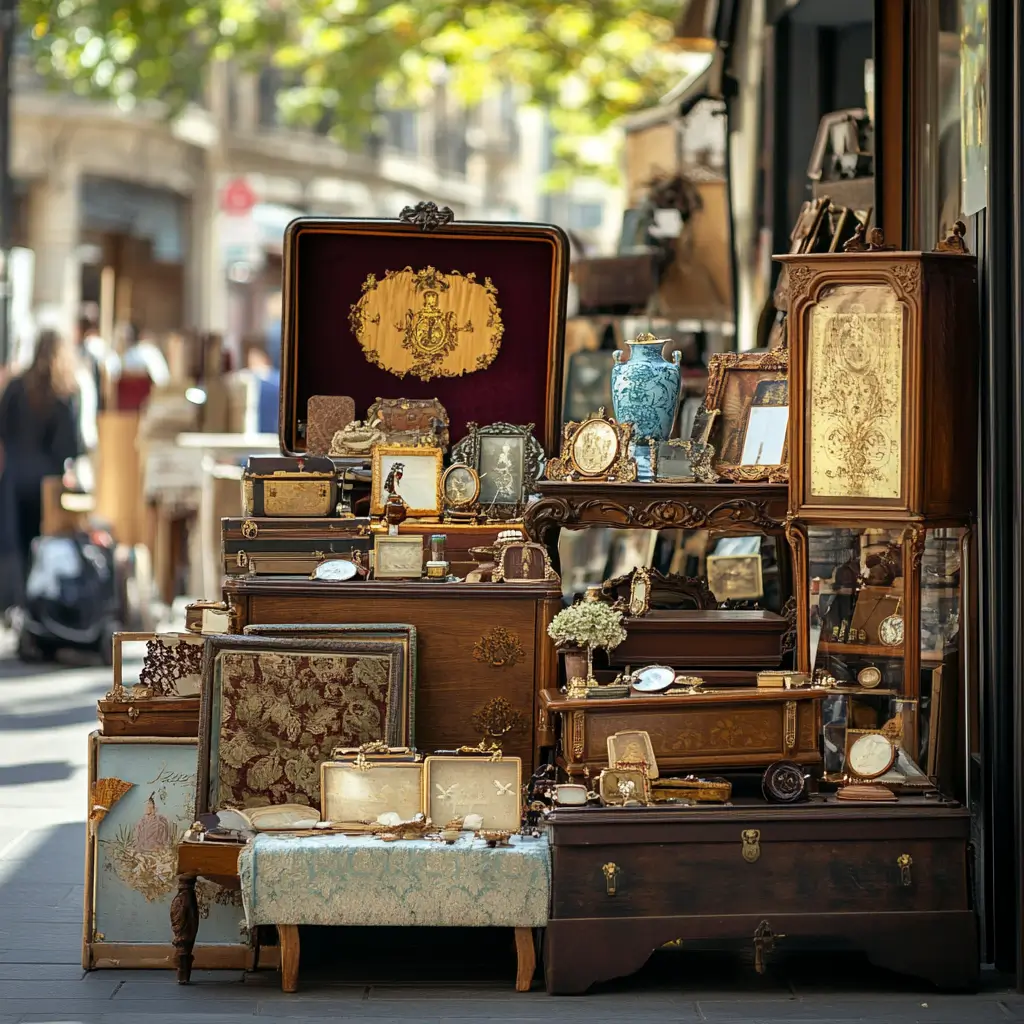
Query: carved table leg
[[288, 936], [184, 925], [527, 959]]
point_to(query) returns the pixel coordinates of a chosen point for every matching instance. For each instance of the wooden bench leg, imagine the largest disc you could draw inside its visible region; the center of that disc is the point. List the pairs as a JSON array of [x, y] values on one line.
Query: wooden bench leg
[[527, 959], [184, 925], [288, 935]]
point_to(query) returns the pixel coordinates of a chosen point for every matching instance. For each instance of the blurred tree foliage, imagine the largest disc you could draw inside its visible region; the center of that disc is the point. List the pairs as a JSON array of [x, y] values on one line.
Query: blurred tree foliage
[[588, 61]]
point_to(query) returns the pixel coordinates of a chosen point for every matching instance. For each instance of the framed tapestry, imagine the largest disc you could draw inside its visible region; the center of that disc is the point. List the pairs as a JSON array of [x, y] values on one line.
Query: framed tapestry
[[141, 800], [273, 709]]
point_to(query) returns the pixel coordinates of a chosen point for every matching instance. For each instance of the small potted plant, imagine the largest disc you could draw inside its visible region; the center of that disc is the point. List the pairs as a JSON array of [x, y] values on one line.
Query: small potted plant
[[590, 623]]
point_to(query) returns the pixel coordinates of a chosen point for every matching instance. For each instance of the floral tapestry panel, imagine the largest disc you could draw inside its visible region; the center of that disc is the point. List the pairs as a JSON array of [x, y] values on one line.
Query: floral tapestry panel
[[361, 880], [128, 896], [282, 712]]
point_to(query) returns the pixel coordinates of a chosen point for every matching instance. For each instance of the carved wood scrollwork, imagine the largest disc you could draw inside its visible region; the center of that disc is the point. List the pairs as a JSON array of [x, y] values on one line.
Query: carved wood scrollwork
[[578, 726], [554, 513], [908, 275], [798, 279]]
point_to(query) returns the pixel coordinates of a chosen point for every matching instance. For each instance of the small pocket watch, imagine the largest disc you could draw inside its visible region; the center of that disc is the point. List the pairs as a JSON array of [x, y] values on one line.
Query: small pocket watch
[[890, 629]]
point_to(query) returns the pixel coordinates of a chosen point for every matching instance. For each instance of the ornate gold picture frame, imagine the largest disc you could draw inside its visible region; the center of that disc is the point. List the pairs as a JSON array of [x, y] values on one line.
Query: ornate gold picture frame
[[360, 791], [420, 486], [398, 558], [632, 747], [460, 487], [456, 786], [746, 395], [596, 449]]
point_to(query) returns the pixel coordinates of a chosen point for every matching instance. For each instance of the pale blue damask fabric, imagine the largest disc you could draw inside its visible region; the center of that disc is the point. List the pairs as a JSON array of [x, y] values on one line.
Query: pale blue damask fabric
[[359, 880]]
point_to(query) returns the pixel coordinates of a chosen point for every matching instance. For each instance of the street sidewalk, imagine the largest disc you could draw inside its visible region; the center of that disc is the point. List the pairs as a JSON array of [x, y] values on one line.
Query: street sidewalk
[[46, 714]]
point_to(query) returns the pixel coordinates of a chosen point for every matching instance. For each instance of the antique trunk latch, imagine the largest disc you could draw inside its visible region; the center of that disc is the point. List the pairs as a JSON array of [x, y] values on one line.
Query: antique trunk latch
[[751, 840], [764, 942], [611, 878], [904, 862]]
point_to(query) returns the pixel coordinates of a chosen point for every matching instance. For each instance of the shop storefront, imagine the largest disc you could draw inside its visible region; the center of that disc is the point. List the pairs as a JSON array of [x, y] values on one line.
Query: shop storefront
[[612, 685]]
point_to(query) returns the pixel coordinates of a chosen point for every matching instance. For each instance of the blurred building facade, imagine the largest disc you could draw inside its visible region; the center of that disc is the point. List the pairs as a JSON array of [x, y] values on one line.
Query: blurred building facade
[[126, 209]]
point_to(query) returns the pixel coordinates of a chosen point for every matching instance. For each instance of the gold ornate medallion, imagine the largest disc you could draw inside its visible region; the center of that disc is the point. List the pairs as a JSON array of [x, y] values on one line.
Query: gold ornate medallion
[[428, 323]]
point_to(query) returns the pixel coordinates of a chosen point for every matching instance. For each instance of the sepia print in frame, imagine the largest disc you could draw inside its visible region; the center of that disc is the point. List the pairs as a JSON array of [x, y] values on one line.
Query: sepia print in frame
[[460, 487], [363, 790], [397, 558], [596, 449], [417, 478], [507, 459], [735, 577], [456, 786], [749, 391]]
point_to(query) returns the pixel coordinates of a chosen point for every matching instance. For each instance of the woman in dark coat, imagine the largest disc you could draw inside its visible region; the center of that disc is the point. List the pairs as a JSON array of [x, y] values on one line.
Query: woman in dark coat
[[38, 435]]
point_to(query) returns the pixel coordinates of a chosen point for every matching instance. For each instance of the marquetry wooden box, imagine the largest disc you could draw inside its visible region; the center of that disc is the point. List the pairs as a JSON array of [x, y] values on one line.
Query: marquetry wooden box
[[883, 384], [891, 881], [738, 728], [477, 641]]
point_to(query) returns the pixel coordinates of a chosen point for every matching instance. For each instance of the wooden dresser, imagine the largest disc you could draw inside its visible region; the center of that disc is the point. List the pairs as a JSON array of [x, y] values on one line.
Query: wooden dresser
[[891, 881], [477, 641]]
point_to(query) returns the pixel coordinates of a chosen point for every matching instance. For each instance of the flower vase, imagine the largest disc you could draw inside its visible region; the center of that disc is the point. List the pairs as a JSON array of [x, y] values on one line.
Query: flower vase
[[645, 393]]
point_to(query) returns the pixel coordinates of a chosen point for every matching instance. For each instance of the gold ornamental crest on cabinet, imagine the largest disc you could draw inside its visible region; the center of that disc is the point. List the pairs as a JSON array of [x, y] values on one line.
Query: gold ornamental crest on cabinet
[[428, 323]]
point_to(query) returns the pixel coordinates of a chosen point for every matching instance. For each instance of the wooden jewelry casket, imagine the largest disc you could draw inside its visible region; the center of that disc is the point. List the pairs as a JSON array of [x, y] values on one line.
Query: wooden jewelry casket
[[424, 307]]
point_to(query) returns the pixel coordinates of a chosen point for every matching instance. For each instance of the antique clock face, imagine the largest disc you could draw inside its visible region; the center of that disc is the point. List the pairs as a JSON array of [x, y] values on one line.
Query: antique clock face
[[870, 755], [869, 677]]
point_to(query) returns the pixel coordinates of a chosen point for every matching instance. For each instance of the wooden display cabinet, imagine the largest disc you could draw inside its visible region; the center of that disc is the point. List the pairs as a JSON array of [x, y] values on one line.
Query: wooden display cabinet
[[883, 377], [860, 586]]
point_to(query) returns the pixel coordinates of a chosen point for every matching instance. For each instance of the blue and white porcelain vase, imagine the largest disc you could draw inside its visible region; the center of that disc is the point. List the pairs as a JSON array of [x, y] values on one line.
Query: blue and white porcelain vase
[[645, 392]]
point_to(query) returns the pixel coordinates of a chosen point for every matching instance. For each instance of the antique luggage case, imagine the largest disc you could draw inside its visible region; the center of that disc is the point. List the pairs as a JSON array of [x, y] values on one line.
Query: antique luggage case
[[424, 307], [286, 487], [476, 642], [300, 542], [883, 384], [891, 881], [747, 727]]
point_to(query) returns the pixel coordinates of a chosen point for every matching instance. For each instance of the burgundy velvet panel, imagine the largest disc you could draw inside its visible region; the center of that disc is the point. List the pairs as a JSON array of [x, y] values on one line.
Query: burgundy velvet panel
[[329, 265]]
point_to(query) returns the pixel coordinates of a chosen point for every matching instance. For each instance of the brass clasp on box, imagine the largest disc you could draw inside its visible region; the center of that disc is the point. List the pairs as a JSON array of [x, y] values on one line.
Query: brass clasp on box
[[611, 878], [764, 942], [751, 840], [904, 862]]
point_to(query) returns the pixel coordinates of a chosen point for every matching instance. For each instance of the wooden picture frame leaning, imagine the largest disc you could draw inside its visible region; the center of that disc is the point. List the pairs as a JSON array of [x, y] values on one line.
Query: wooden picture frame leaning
[[735, 383]]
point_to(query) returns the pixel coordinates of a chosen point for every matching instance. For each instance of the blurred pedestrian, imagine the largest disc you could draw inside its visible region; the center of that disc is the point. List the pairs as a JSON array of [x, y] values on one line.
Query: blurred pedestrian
[[39, 435]]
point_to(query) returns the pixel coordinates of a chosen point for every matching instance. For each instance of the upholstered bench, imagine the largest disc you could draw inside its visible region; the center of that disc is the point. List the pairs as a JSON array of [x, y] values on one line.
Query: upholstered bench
[[362, 880]]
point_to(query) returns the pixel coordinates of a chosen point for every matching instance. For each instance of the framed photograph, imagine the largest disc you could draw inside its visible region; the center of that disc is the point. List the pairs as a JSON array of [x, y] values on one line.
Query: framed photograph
[[457, 786], [362, 792], [397, 558], [749, 391], [416, 478], [596, 449], [617, 787], [460, 487], [640, 593], [507, 460], [141, 800], [523, 562], [274, 708], [632, 747], [735, 577]]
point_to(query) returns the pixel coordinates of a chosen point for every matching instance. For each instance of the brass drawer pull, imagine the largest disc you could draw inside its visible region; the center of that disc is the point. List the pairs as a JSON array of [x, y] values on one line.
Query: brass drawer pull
[[904, 862], [751, 840], [611, 878]]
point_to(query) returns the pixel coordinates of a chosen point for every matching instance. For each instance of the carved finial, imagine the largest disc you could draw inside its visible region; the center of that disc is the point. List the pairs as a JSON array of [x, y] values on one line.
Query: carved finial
[[873, 241], [857, 243], [427, 215], [645, 338], [954, 241]]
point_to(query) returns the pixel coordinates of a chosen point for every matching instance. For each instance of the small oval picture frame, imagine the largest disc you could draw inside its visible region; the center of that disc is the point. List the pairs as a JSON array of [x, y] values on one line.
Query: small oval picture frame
[[460, 486], [594, 448]]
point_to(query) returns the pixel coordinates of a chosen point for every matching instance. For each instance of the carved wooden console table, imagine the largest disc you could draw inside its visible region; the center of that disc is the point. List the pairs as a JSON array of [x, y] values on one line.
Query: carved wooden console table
[[751, 508]]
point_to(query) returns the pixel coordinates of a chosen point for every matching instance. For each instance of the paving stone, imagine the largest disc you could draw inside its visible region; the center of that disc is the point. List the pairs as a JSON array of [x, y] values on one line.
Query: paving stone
[[41, 972]]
